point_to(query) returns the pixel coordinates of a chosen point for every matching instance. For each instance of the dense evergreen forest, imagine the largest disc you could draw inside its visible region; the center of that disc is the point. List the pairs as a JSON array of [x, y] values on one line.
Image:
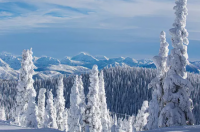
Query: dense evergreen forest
[[126, 89]]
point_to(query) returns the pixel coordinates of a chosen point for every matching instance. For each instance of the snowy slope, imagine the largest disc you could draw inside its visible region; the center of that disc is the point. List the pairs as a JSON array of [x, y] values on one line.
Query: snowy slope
[[66, 69], [6, 127], [13, 61], [46, 74], [101, 57], [178, 129], [6, 72], [46, 61], [68, 61]]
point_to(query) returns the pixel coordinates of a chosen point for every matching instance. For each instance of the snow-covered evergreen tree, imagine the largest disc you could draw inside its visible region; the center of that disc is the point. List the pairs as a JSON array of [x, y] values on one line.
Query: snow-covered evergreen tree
[[82, 103], [50, 116], [60, 104], [141, 118], [105, 117], [92, 112], [178, 106], [66, 125], [114, 122], [75, 111], [130, 127], [22, 87], [120, 125], [32, 110], [2, 113], [156, 104], [41, 107], [25, 98]]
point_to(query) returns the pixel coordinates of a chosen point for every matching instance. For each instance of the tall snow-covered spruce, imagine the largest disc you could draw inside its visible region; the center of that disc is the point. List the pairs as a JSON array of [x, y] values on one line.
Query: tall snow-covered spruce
[[60, 104], [41, 107], [75, 111], [2, 113], [22, 94], [82, 103], [50, 112], [66, 125], [26, 109], [177, 104], [32, 110], [105, 117], [130, 127], [141, 118], [156, 104], [92, 112]]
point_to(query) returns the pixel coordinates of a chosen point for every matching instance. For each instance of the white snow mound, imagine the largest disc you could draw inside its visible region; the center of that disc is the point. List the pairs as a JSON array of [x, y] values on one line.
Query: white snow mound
[[6, 127], [195, 128]]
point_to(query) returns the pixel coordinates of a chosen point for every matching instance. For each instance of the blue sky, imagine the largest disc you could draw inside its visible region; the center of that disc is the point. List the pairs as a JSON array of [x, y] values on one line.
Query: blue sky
[[113, 28]]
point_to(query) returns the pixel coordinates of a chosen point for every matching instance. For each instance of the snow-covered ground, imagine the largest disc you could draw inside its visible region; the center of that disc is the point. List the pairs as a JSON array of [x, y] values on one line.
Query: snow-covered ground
[[6, 127], [195, 128]]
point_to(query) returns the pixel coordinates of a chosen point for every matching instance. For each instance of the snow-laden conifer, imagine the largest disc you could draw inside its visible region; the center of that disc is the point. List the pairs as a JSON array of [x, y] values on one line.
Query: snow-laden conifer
[[82, 103], [141, 118], [130, 127], [41, 107], [120, 125], [22, 87], [114, 122], [50, 112], [66, 125], [93, 113], [60, 104], [32, 110], [2, 113], [25, 92], [178, 106], [105, 117], [156, 104], [75, 111]]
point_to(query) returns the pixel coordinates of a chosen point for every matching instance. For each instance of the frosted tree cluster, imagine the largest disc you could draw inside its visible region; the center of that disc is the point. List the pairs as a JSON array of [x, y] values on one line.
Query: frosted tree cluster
[[156, 104], [178, 106], [127, 85]]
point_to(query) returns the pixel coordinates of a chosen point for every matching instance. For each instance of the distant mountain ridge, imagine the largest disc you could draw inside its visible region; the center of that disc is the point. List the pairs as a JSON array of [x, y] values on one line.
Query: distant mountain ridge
[[83, 62]]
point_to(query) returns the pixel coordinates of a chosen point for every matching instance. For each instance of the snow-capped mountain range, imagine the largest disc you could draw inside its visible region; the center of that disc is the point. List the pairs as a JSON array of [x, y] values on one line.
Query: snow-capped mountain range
[[81, 63]]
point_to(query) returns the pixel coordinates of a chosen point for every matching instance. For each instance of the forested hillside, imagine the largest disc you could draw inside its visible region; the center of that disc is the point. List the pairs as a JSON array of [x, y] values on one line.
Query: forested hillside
[[126, 89]]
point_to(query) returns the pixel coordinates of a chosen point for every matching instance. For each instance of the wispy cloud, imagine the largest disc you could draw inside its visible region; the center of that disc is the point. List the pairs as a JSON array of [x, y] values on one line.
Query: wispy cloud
[[113, 14], [5, 14]]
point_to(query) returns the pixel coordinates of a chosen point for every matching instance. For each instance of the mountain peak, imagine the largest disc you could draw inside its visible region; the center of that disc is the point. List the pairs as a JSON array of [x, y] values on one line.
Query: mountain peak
[[83, 53], [84, 57]]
